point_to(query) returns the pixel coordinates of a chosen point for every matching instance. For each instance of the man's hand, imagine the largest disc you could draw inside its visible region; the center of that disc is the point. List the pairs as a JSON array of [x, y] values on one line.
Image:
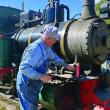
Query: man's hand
[[69, 76], [45, 78], [70, 67]]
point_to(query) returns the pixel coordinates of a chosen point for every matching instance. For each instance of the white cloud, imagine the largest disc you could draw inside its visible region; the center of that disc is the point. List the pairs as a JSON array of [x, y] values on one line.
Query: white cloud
[[97, 1]]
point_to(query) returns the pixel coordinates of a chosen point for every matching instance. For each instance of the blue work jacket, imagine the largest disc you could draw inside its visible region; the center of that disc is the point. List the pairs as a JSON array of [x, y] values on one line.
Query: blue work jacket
[[34, 62]]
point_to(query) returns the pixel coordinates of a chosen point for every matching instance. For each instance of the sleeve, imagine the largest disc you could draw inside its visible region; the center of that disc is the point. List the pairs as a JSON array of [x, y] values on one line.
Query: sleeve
[[29, 61], [56, 59]]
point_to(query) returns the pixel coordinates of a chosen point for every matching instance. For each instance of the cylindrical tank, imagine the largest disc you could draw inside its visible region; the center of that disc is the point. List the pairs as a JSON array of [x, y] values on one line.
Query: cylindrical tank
[[87, 39], [26, 36], [5, 52]]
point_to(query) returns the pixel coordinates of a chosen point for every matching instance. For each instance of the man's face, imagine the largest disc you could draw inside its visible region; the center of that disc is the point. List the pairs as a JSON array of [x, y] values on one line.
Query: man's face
[[51, 41]]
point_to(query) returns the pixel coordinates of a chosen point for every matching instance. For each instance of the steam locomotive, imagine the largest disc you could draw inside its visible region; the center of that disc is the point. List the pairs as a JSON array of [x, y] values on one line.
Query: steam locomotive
[[85, 42]]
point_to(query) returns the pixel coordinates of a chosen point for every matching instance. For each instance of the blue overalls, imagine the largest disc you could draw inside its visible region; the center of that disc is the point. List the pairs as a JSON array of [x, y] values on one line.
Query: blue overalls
[[34, 63]]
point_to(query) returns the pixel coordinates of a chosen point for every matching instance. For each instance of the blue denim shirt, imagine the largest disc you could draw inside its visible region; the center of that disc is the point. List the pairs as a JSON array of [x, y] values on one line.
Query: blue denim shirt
[[35, 60]]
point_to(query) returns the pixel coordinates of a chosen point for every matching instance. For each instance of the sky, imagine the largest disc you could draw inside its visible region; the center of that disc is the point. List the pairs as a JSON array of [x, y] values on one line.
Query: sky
[[74, 5]]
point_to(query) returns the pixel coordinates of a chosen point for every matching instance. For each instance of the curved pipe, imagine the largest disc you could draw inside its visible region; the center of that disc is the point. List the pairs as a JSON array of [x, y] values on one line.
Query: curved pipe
[[63, 68], [67, 9], [76, 59]]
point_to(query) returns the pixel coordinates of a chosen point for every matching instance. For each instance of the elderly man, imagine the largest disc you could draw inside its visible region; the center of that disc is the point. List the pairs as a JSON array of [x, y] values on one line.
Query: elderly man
[[34, 66]]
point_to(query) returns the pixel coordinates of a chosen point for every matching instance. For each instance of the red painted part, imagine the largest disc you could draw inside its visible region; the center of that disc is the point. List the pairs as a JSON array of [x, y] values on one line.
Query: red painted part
[[4, 71], [107, 105], [87, 90], [88, 97], [77, 70]]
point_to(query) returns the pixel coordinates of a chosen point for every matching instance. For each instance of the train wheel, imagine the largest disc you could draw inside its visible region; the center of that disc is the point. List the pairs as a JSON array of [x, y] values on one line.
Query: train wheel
[[66, 98]]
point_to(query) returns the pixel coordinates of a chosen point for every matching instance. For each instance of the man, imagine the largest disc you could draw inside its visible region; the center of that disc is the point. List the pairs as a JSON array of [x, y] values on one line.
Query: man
[[34, 66]]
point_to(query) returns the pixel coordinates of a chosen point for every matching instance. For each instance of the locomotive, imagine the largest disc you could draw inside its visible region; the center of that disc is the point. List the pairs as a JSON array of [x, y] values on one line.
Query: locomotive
[[85, 42]]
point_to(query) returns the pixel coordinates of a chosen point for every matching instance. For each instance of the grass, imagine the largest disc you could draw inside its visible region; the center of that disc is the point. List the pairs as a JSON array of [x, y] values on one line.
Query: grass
[[2, 108]]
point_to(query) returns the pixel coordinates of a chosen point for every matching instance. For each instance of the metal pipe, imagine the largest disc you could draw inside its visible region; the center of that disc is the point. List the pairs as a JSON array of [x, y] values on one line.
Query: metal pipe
[[44, 13], [57, 1], [67, 9], [56, 11], [88, 9]]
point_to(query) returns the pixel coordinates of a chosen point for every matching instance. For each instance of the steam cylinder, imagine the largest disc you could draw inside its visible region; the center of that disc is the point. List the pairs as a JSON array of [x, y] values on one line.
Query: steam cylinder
[[86, 38]]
